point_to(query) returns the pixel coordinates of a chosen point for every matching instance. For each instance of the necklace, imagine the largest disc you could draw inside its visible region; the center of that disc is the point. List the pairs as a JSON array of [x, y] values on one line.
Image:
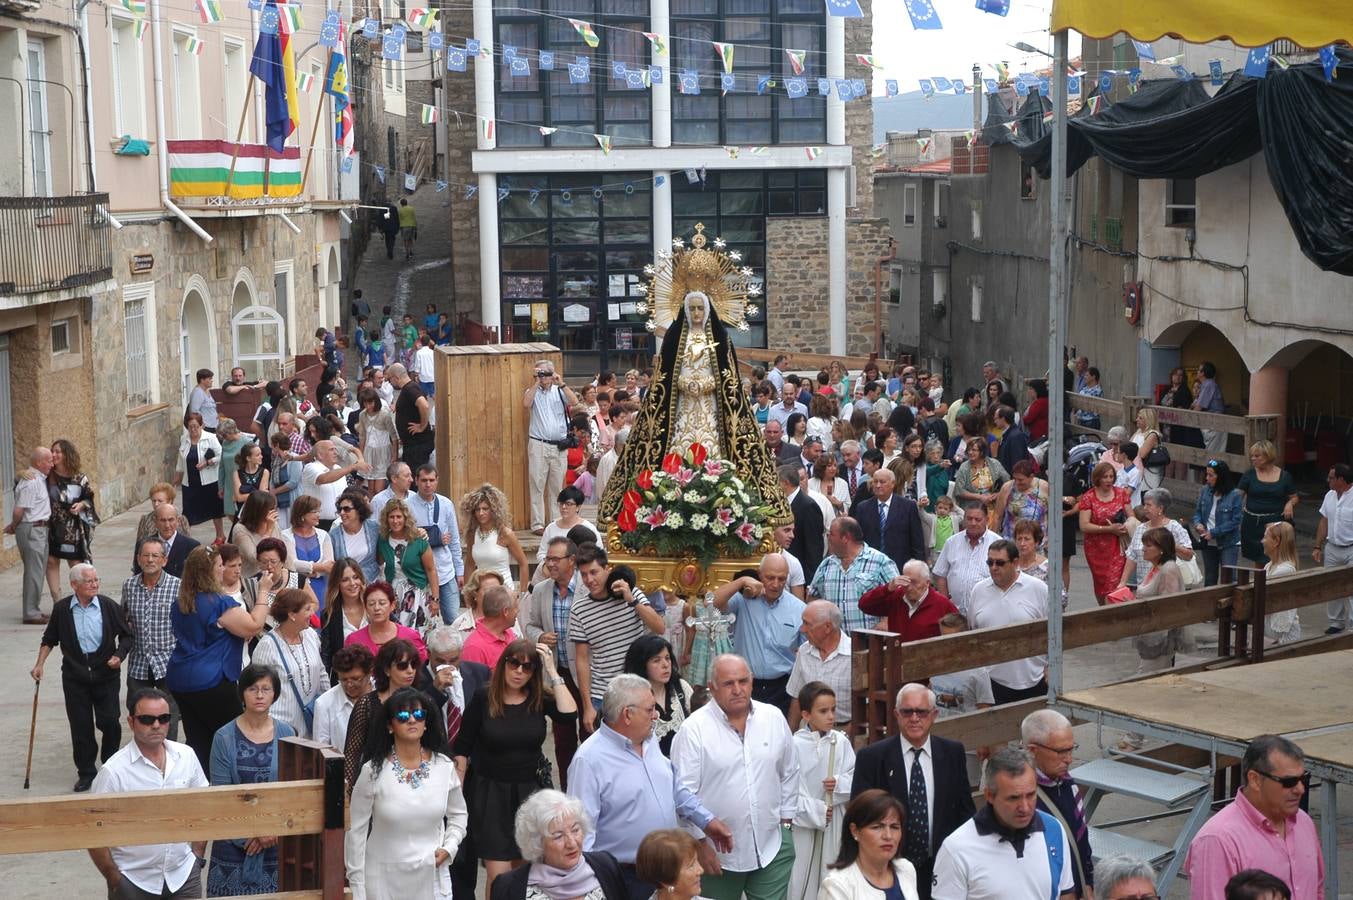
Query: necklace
[[413, 779], [302, 666]]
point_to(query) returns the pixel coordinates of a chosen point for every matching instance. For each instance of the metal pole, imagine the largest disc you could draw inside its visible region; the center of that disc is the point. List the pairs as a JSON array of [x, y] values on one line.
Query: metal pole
[[1057, 292]]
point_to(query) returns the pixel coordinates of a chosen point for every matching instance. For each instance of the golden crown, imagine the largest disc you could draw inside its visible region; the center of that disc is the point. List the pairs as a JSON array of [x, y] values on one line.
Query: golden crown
[[705, 266]]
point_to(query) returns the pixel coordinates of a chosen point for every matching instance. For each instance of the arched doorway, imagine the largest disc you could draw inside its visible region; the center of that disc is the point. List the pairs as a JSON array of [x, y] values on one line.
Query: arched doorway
[[333, 314], [197, 335], [242, 297]]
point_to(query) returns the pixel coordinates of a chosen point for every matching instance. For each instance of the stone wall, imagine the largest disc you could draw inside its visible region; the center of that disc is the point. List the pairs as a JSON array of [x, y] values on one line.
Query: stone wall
[[461, 138], [860, 113], [797, 312]]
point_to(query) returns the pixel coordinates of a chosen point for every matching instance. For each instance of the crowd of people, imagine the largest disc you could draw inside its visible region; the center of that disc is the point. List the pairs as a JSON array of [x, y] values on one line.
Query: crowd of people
[[698, 747]]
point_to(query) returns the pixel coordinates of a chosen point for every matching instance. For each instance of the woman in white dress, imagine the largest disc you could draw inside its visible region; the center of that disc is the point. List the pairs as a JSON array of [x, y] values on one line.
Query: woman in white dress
[[408, 812], [489, 535], [826, 768], [292, 651], [826, 482], [1280, 543], [379, 440], [1147, 438]]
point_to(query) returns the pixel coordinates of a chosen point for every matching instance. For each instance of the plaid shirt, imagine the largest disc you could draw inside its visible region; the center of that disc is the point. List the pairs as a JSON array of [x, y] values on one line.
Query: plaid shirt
[[148, 617], [299, 445], [559, 608], [845, 587]]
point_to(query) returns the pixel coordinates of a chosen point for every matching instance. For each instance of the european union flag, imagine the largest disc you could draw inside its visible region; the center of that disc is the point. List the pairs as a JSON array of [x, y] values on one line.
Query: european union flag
[[991, 85], [762, 83], [256, 5], [847, 9], [1256, 64], [472, 47], [923, 15], [1134, 76], [824, 87], [690, 82], [399, 32], [369, 28], [391, 48], [634, 79], [943, 84], [890, 87], [727, 82], [927, 87], [547, 60], [509, 53], [995, 7], [1022, 88], [1144, 51], [796, 87], [1073, 84], [655, 75], [1182, 73], [618, 69], [1214, 66], [455, 59], [521, 68], [857, 87], [268, 21], [843, 89], [1044, 86], [960, 87], [436, 41], [1106, 82], [578, 74], [328, 30], [1329, 61]]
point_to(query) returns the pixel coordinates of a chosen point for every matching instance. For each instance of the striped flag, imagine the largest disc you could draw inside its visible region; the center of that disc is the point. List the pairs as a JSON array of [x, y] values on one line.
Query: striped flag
[[923, 146], [422, 18], [210, 11], [1002, 71], [585, 31], [135, 7], [866, 60], [796, 58], [194, 46], [290, 18], [812, 152], [659, 45], [336, 86], [725, 53], [305, 81], [430, 114], [486, 126], [604, 142], [140, 28]]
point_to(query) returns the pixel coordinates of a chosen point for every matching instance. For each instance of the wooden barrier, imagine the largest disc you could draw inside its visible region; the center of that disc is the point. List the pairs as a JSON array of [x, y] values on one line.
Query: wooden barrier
[[288, 809], [751, 357]]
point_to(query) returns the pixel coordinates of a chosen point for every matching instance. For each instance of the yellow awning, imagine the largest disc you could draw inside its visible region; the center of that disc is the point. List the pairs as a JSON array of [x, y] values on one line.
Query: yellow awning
[[1249, 23]]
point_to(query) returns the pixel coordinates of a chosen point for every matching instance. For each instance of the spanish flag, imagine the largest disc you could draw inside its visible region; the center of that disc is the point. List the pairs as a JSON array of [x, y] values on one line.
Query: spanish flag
[[274, 64]]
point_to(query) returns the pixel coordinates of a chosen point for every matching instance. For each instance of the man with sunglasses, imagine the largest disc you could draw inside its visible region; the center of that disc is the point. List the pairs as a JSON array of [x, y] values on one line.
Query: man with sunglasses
[[1047, 736], [549, 401], [151, 762], [1263, 828], [1009, 597], [926, 772]]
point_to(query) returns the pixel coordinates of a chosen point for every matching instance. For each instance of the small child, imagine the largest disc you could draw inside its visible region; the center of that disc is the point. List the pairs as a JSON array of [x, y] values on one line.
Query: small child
[[947, 523], [707, 636], [826, 766], [962, 692]]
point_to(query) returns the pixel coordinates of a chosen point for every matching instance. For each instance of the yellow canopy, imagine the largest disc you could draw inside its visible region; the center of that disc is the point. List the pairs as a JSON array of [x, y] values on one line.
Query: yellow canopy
[[1249, 23]]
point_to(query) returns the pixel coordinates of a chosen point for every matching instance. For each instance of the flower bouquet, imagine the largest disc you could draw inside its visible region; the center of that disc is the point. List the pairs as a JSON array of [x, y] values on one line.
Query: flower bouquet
[[693, 506]]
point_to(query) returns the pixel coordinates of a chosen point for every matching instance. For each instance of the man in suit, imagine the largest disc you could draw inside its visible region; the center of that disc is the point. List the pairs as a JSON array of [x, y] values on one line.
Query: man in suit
[[870, 462], [928, 773], [780, 450], [891, 522], [810, 528], [94, 639], [177, 544], [451, 682]]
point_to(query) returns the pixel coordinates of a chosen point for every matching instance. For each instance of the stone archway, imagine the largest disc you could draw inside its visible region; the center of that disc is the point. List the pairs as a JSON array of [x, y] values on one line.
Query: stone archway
[[197, 335]]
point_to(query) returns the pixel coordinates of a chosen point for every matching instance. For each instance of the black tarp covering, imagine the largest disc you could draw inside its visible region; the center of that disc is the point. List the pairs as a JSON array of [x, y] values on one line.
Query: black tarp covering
[[1172, 129]]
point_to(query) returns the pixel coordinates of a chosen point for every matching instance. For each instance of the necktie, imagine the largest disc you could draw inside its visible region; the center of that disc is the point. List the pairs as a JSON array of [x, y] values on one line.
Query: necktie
[[917, 844], [452, 720], [852, 481], [883, 517]]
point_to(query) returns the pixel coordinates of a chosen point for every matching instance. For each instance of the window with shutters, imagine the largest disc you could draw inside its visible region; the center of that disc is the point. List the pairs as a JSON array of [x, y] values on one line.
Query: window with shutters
[[138, 326]]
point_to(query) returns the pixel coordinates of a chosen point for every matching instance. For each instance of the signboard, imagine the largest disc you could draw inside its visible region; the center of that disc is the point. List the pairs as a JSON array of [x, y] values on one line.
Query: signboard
[[141, 263]]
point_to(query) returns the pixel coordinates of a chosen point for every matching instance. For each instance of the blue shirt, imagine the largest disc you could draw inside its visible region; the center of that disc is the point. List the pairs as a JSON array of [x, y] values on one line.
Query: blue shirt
[[767, 634], [628, 795], [440, 512], [205, 654], [88, 624], [559, 607]]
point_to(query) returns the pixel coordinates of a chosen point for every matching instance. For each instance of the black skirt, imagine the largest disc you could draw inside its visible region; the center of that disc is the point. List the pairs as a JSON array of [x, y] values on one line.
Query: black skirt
[[493, 806]]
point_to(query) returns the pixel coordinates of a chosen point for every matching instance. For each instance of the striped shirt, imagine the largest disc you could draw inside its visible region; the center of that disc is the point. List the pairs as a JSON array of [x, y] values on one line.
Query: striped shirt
[[608, 627], [845, 586], [148, 617]]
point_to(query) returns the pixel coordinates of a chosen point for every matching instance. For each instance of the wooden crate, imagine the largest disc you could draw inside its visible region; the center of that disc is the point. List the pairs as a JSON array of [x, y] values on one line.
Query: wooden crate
[[482, 427]]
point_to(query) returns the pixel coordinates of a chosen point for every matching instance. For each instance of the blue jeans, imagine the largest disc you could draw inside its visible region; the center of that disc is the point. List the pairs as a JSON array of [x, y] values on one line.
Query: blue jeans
[[427, 387], [1214, 558], [448, 598]]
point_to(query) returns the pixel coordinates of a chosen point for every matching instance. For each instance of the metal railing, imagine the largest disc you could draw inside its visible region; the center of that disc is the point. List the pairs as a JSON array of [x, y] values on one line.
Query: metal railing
[[52, 243]]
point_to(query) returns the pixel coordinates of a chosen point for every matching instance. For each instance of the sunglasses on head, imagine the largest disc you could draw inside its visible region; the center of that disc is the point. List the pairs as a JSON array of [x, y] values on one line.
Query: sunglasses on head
[[148, 720], [405, 716], [527, 665]]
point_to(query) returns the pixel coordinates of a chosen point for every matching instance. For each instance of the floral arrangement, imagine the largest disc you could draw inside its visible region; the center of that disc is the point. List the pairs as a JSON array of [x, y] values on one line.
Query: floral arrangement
[[692, 505]]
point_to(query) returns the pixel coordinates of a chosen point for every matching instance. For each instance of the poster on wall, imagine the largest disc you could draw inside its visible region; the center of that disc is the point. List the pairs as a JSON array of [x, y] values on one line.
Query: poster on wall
[[540, 318], [624, 340]]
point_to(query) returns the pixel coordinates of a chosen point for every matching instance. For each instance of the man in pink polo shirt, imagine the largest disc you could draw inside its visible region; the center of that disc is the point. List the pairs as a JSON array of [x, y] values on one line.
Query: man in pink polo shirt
[[1264, 828], [494, 632]]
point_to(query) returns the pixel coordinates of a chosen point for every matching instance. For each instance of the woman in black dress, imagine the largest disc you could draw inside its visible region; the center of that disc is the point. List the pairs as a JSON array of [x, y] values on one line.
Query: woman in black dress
[[500, 739], [70, 529], [651, 657]]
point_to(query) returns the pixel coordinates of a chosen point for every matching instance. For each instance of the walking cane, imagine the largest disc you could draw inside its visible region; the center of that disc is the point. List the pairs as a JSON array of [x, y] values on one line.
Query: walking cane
[[32, 733]]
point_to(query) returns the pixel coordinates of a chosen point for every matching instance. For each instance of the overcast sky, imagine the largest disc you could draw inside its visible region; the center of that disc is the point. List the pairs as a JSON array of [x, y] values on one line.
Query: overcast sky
[[968, 36]]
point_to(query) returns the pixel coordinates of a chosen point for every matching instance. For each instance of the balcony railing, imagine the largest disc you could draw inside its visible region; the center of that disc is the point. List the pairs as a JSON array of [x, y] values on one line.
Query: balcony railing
[[53, 243]]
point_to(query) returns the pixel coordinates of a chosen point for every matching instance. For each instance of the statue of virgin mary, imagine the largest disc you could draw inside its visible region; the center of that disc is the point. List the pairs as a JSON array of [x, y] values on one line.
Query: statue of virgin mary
[[696, 393]]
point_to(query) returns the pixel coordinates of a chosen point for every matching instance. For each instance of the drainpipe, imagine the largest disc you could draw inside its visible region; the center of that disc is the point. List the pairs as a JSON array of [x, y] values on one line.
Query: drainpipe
[[878, 294], [161, 142]]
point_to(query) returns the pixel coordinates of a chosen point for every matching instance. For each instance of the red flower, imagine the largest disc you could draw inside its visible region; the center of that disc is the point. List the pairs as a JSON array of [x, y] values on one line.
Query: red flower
[[644, 480], [626, 520], [698, 454], [671, 463], [632, 500]]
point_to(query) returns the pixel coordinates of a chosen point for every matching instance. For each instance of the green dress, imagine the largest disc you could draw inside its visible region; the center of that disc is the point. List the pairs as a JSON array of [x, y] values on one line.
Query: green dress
[[1264, 503], [229, 450]]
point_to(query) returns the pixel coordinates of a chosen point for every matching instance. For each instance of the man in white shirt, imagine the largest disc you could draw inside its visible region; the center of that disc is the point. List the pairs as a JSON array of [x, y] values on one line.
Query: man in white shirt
[[324, 479], [738, 756], [32, 509], [1334, 539], [549, 401], [383, 387], [776, 375], [825, 657], [151, 762], [437, 514], [1009, 850], [797, 584], [1009, 597], [352, 664], [963, 561]]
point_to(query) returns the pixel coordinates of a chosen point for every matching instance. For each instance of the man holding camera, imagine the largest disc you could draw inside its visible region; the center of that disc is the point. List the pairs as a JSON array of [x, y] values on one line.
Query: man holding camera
[[548, 399]]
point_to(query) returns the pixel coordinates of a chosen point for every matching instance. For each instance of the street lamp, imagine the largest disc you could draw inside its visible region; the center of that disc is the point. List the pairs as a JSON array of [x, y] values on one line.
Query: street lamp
[[1029, 48]]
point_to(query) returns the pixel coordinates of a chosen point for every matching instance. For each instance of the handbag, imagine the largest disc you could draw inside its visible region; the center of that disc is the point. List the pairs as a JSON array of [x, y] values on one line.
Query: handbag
[[1192, 575], [544, 773], [1159, 457], [307, 709]]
